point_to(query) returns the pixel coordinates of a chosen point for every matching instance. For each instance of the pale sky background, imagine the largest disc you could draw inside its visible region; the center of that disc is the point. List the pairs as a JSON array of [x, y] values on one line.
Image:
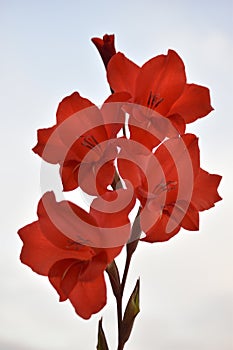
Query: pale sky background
[[46, 54]]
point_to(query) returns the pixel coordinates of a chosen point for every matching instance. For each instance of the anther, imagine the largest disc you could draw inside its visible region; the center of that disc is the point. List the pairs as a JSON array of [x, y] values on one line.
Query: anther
[[153, 100], [89, 141]]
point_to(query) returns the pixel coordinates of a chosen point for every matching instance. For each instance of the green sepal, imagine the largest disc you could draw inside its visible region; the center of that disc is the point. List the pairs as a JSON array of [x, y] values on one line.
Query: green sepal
[[134, 237], [102, 342], [114, 278]]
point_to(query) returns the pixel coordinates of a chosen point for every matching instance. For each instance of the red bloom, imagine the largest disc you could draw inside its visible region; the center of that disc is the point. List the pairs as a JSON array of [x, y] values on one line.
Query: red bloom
[[160, 85], [66, 243], [82, 139], [204, 196], [183, 194], [171, 187], [106, 47]]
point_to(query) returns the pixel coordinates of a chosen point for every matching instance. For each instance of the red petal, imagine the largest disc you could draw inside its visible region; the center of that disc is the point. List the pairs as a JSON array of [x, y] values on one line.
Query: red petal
[[78, 120], [49, 145], [40, 254], [111, 212], [163, 77], [122, 73], [186, 215], [149, 128], [66, 274], [37, 252], [69, 174], [179, 159], [113, 115], [70, 105], [194, 103], [94, 180], [105, 176], [98, 264], [178, 123], [205, 190], [150, 215], [82, 132], [131, 172], [67, 226], [113, 207], [111, 253], [89, 297], [159, 233], [132, 161], [118, 97], [143, 135], [96, 136], [63, 276], [191, 144]]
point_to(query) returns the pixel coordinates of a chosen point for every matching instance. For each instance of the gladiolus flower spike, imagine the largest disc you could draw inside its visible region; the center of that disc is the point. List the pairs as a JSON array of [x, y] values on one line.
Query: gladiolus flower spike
[[132, 153]]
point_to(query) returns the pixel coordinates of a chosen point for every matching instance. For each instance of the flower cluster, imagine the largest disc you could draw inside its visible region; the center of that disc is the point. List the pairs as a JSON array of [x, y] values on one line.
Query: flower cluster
[[132, 151]]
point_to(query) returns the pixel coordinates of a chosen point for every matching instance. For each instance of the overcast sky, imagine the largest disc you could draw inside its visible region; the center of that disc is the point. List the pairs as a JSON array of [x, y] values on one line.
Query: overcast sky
[[46, 54]]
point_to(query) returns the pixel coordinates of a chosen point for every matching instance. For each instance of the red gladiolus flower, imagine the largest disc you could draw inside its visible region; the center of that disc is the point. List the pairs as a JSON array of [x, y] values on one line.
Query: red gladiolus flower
[[183, 190], [82, 139], [204, 197], [66, 243], [171, 187], [160, 84], [106, 47]]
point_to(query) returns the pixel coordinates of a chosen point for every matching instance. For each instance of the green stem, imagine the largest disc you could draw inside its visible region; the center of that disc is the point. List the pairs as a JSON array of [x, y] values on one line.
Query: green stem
[[117, 287], [130, 248], [119, 321], [125, 274], [119, 302]]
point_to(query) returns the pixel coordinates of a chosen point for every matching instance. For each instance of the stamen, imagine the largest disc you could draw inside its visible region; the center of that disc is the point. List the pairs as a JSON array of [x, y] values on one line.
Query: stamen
[[67, 269], [80, 242], [153, 100], [93, 145], [171, 185], [89, 141], [162, 187], [168, 186], [149, 99]]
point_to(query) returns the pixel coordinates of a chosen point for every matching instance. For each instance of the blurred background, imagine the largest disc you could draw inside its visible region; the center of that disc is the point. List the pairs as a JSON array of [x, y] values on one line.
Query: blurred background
[[46, 54]]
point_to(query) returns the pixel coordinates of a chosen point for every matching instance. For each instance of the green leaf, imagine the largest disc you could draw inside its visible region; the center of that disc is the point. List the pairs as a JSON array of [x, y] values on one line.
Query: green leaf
[[131, 311], [102, 343]]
